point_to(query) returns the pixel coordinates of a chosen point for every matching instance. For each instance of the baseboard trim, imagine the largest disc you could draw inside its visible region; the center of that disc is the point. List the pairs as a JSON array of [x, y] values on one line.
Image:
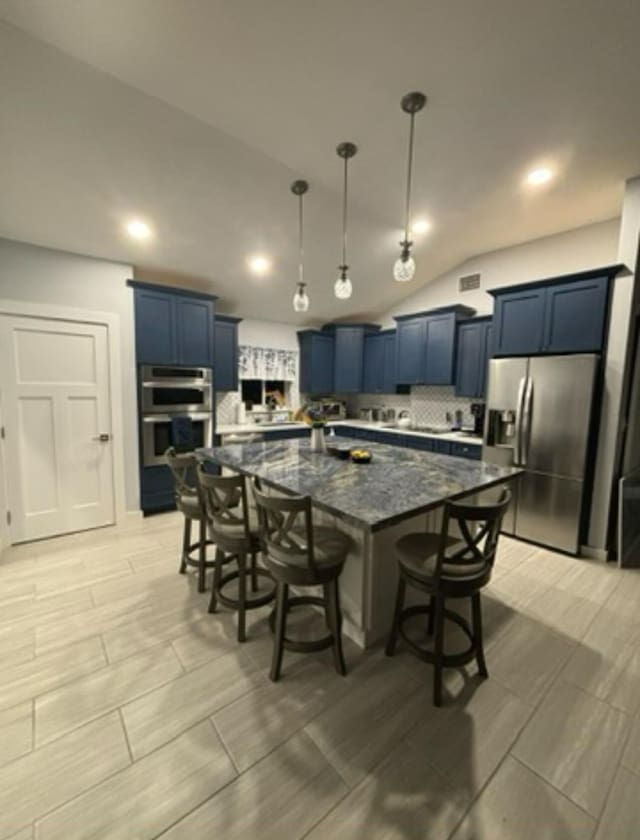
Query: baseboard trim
[[594, 553]]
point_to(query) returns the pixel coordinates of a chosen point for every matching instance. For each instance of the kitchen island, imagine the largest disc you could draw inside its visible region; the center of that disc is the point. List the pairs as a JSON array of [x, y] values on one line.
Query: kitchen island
[[401, 490]]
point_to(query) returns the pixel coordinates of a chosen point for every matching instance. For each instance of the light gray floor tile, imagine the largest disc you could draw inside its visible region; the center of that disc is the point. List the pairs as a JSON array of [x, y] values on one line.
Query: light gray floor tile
[[282, 796], [46, 778], [16, 646], [631, 757], [25, 834], [467, 740], [147, 797], [546, 566], [590, 579], [29, 612], [96, 694], [16, 732], [575, 742], [562, 612], [621, 817], [518, 588], [526, 658], [518, 805], [401, 799], [205, 639], [162, 714], [44, 673], [359, 729]]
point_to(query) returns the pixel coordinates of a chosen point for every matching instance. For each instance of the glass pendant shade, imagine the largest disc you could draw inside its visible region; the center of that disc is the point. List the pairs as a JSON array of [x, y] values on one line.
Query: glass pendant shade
[[301, 299], [404, 269], [342, 288]]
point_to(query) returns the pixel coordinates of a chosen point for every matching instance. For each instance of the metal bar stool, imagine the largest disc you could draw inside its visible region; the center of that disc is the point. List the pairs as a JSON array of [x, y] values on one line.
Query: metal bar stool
[[300, 554], [189, 503], [449, 567], [228, 514]]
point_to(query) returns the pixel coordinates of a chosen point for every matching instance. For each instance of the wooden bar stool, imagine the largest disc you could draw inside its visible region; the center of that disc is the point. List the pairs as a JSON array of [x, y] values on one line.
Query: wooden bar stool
[[299, 554], [236, 538], [189, 503], [448, 567]]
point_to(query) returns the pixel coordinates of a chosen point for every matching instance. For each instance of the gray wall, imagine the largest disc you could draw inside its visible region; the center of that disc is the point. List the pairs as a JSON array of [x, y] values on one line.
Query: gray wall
[[41, 275]]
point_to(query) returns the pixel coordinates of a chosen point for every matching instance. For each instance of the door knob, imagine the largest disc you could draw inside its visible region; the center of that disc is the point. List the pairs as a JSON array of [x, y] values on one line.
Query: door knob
[[103, 438]]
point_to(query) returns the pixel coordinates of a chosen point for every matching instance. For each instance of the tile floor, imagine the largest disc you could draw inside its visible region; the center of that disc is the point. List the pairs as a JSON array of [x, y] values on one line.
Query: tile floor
[[126, 711]]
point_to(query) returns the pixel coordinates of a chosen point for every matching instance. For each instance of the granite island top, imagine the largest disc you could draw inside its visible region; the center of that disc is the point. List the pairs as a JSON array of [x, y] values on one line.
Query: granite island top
[[397, 484]]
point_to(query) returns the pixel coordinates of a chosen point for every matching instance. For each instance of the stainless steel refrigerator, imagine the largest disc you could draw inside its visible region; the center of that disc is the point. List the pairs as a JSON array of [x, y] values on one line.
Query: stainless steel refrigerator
[[538, 417]]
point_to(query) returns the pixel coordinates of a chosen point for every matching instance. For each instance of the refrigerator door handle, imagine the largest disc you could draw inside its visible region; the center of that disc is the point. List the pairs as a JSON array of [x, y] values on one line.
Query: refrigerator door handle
[[519, 419], [526, 422]]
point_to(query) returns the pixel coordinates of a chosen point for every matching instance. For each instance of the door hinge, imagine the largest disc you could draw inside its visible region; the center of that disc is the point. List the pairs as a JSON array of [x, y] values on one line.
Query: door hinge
[[8, 517]]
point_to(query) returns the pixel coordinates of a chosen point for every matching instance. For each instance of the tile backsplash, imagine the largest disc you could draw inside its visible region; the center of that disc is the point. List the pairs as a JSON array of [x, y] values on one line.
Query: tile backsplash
[[427, 405]]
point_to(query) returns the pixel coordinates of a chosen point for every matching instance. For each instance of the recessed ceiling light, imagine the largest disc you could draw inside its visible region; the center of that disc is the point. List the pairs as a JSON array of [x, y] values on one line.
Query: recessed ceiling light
[[259, 264], [138, 229], [421, 226], [539, 176]]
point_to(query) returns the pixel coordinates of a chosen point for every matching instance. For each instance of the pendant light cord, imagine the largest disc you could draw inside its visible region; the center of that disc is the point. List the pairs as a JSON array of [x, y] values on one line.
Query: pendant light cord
[[409, 176], [344, 217], [300, 243]]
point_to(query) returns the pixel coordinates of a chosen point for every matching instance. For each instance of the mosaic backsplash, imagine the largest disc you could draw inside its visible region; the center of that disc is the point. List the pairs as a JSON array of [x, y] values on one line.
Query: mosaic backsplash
[[427, 405]]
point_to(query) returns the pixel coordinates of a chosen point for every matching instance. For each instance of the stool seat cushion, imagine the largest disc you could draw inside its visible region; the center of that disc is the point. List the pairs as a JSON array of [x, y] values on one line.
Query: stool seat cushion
[[330, 548], [418, 555]]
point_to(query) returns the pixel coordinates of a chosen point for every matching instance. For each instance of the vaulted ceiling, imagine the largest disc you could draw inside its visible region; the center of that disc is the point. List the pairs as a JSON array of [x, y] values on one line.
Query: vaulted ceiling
[[198, 114]]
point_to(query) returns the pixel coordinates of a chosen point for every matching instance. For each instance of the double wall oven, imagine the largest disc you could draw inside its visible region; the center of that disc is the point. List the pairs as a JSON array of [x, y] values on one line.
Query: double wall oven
[[168, 394]]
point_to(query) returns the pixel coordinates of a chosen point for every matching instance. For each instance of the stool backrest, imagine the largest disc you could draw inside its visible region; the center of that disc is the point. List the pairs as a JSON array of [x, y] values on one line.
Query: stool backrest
[[226, 506], [286, 527], [479, 526], [183, 469]]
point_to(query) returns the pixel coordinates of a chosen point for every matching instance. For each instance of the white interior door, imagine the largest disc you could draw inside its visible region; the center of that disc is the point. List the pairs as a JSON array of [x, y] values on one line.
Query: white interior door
[[57, 417]]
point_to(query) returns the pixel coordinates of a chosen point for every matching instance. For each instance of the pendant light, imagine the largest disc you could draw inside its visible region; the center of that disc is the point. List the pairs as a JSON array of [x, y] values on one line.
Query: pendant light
[[342, 287], [301, 298], [405, 266]]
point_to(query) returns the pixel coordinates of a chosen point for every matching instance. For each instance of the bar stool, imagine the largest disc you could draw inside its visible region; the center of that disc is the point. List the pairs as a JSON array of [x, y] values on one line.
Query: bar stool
[[449, 567], [236, 538], [189, 503], [299, 554]]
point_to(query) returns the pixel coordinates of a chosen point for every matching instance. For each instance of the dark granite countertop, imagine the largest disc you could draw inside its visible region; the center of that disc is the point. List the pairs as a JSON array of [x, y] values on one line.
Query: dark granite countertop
[[397, 484]]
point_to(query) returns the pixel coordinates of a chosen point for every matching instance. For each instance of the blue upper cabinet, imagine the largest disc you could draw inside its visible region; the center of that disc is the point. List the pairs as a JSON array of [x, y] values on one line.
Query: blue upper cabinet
[[388, 339], [426, 346], [348, 363], [173, 327], [373, 380], [472, 355], [195, 325], [410, 344], [225, 359], [575, 316], [316, 362], [155, 319], [519, 322], [561, 315]]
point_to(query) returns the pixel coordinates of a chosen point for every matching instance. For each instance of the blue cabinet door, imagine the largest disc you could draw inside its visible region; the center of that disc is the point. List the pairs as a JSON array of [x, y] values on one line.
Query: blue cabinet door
[[471, 338], [486, 358], [316, 362], [440, 349], [410, 347], [348, 360], [225, 360], [194, 319], [389, 363], [156, 335], [373, 378], [575, 316], [466, 450], [519, 322]]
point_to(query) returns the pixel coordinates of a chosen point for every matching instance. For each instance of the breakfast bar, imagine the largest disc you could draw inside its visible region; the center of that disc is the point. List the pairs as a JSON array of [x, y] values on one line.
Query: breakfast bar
[[399, 491]]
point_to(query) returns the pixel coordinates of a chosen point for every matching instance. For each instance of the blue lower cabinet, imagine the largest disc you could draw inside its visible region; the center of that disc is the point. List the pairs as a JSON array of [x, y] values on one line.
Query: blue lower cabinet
[[442, 446], [415, 442], [466, 450], [286, 434]]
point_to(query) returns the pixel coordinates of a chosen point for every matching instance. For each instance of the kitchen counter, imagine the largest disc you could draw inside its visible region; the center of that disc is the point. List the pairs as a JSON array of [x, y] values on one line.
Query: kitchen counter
[[400, 491], [248, 428], [398, 483], [458, 437]]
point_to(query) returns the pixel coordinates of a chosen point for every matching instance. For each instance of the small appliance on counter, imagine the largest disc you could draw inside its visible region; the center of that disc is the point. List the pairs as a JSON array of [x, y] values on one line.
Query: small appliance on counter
[[332, 409], [478, 413]]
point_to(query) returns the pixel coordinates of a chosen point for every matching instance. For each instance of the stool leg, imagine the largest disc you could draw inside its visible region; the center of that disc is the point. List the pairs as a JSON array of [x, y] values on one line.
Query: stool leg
[[432, 616], [476, 616], [186, 542], [242, 597], [282, 597], [393, 635], [202, 556], [215, 585], [439, 650], [254, 574], [334, 619]]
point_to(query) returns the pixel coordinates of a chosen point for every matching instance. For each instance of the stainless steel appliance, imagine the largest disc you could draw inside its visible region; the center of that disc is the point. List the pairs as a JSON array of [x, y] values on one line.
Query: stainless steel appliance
[[333, 409], [175, 389], [539, 413], [157, 437]]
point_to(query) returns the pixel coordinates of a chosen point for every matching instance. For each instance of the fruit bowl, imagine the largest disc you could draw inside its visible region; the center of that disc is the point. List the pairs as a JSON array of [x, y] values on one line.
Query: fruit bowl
[[360, 456]]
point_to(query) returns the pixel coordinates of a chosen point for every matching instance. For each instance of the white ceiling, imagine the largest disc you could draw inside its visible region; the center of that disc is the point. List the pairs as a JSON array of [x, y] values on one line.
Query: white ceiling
[[198, 114]]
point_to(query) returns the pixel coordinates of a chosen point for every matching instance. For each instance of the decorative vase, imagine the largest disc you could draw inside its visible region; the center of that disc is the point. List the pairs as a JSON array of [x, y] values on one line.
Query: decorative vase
[[318, 443]]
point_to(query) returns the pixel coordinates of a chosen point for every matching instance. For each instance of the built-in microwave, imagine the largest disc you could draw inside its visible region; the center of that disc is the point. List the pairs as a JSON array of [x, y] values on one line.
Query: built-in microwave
[[175, 389], [157, 435]]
